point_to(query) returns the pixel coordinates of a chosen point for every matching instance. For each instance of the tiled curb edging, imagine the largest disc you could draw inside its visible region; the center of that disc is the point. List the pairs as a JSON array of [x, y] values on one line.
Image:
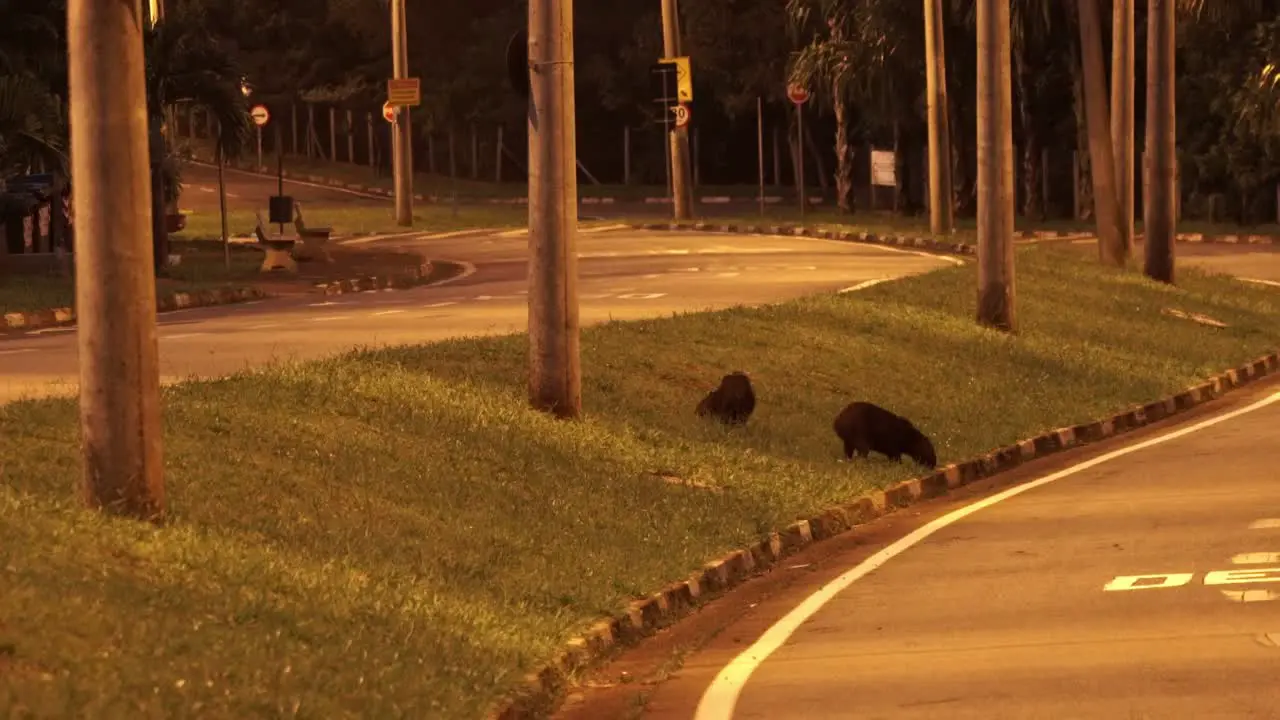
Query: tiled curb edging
[[412, 277], [542, 690], [176, 301], [921, 242]]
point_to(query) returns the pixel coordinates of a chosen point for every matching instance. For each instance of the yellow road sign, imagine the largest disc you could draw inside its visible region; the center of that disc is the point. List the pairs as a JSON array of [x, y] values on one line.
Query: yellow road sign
[[684, 79], [404, 91]]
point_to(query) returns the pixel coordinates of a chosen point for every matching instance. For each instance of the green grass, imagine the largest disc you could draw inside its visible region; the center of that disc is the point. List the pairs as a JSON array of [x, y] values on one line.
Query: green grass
[[363, 220], [392, 533], [203, 267]]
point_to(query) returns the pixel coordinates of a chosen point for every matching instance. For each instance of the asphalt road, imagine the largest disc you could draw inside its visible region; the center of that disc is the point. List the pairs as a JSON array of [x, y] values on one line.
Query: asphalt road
[[623, 275], [1139, 583]]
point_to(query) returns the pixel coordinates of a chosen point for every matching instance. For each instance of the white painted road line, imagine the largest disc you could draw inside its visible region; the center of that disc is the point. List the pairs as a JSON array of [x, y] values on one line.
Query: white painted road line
[[1251, 595], [388, 312], [1265, 524], [861, 286], [721, 696], [182, 336], [440, 304], [330, 318], [1271, 283], [263, 326], [17, 352]]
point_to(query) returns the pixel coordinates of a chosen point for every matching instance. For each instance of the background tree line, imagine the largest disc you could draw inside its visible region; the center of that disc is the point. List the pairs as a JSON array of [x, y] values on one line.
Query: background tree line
[[864, 60]]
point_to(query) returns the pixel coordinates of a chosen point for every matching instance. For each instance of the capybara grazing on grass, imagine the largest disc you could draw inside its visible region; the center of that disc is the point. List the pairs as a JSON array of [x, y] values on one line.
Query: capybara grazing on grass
[[864, 427], [730, 403]]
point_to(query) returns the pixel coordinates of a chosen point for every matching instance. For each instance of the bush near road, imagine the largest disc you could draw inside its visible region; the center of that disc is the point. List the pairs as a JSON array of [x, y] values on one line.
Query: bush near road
[[393, 533]]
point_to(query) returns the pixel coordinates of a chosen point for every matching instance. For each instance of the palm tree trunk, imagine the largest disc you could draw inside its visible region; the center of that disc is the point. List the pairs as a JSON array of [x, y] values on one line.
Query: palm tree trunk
[[1083, 188], [1122, 138], [1160, 208], [844, 153], [1111, 246], [941, 211], [995, 168]]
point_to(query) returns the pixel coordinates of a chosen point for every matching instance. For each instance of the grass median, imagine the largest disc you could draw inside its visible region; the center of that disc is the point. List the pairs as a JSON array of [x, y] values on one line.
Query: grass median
[[392, 533]]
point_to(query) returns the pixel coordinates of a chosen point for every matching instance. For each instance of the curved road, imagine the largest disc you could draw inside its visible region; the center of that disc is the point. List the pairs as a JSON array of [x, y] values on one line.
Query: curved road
[[1138, 578], [622, 275]]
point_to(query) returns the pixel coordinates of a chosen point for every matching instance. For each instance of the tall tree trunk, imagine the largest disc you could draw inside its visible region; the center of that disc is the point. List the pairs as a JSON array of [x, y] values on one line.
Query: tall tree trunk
[[1033, 201], [995, 168], [941, 211], [844, 154], [1122, 138], [1083, 187], [1111, 246], [819, 164], [1160, 211]]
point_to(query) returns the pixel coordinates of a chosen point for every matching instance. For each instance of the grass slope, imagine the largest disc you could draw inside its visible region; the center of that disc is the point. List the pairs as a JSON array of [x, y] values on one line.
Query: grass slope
[[364, 219], [392, 534]]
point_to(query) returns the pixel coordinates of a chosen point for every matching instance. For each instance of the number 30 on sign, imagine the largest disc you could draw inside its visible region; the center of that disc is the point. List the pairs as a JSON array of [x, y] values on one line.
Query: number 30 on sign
[[683, 114]]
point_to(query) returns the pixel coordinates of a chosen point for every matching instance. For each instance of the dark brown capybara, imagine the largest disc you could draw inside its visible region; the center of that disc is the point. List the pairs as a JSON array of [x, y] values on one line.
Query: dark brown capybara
[[730, 403], [864, 427]]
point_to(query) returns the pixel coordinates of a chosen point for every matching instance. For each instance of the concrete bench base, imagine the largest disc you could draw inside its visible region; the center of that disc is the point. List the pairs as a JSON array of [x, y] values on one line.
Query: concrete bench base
[[278, 256]]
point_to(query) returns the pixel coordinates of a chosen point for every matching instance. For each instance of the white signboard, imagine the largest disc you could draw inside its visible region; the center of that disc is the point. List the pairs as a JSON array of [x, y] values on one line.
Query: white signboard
[[884, 170]]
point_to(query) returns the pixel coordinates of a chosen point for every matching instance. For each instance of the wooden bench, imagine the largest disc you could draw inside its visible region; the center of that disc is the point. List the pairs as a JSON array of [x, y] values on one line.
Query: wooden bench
[[278, 249], [313, 238]]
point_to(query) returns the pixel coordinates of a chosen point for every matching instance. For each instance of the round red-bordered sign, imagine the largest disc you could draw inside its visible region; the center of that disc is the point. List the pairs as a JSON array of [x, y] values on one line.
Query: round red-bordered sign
[[388, 112], [797, 94]]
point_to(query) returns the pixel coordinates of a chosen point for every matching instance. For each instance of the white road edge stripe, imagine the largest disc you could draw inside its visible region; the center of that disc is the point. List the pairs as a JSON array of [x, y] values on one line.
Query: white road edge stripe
[[721, 696]]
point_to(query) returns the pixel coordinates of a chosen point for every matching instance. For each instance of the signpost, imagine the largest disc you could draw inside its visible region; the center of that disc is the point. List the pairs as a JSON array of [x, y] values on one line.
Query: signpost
[[799, 95], [884, 172], [261, 116]]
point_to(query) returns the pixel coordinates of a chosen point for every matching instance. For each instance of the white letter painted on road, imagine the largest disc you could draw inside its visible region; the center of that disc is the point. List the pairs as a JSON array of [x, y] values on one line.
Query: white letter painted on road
[[1262, 558], [1242, 576], [1148, 582]]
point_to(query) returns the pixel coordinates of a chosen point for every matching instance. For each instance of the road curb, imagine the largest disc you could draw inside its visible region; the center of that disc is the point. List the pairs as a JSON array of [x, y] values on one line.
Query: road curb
[[412, 277], [52, 317], [541, 691]]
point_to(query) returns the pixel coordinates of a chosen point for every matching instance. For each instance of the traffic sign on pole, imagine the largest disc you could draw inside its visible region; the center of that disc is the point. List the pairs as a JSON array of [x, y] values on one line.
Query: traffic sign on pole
[[684, 79], [260, 115], [389, 112], [683, 115], [404, 91], [797, 94]]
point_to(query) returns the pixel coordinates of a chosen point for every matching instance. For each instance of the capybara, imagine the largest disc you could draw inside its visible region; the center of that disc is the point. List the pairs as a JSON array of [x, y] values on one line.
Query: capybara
[[730, 403], [864, 427]]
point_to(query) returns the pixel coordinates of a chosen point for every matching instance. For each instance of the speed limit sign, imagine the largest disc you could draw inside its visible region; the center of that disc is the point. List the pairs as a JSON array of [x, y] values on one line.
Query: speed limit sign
[[683, 114]]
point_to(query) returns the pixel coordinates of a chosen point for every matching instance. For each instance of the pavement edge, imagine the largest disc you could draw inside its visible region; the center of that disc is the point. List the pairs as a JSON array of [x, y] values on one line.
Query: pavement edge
[[51, 317], [540, 692]]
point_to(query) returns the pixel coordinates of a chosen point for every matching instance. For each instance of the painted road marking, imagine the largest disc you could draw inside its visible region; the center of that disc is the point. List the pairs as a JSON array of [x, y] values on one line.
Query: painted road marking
[[728, 274], [182, 336], [388, 312], [641, 296], [721, 696], [1251, 595], [1265, 524], [17, 352], [1263, 558], [327, 303], [440, 304], [1159, 581], [330, 318], [861, 286], [264, 326], [1256, 281], [45, 331], [1147, 582]]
